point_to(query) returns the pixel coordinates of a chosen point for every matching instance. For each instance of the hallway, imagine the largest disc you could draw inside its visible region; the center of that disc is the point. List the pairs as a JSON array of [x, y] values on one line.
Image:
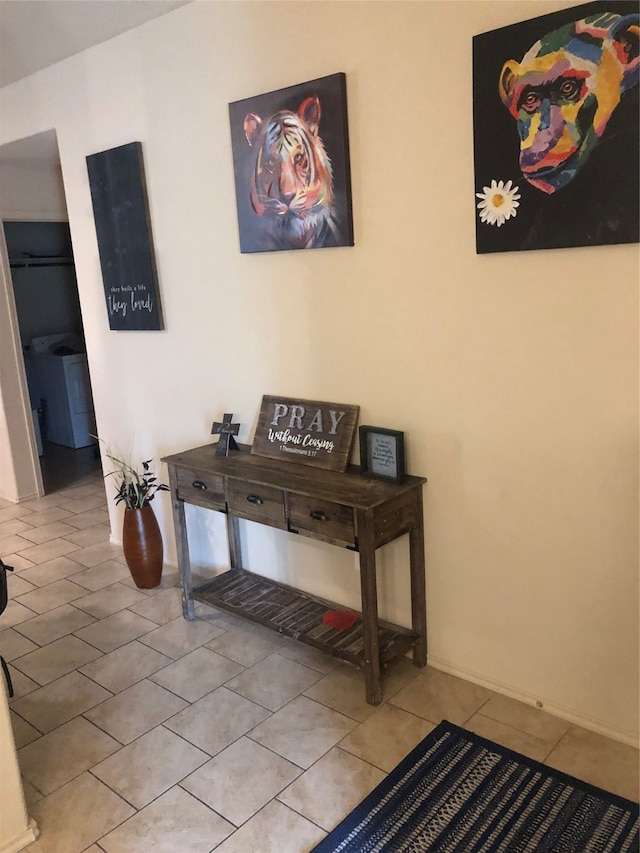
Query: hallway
[[63, 467]]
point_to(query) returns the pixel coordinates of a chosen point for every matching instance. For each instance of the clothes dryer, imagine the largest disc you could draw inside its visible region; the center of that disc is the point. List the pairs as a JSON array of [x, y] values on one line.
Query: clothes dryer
[[59, 382]]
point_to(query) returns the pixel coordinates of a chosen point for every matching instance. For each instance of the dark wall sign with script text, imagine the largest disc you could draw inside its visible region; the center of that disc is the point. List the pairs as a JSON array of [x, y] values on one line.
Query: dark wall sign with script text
[[121, 213]]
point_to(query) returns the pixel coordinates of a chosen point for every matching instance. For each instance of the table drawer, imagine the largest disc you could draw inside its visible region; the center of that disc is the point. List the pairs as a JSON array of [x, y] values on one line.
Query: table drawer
[[257, 503], [198, 487], [325, 519]]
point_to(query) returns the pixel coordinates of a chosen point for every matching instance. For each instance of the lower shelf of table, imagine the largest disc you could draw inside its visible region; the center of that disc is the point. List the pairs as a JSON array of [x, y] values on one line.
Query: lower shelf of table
[[298, 614]]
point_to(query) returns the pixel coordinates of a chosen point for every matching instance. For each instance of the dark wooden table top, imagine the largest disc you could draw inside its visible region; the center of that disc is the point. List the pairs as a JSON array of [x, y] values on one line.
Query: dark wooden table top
[[350, 488]]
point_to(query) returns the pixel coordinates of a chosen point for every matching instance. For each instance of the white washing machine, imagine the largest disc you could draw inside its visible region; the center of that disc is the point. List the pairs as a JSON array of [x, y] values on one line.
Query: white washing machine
[[58, 374]]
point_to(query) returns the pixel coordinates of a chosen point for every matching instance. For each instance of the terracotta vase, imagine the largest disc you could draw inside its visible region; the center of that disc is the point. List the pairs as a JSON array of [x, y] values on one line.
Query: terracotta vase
[[142, 546]]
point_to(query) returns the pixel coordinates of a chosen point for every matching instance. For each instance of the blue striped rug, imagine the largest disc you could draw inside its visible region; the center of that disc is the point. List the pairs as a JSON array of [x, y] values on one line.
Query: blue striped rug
[[457, 792]]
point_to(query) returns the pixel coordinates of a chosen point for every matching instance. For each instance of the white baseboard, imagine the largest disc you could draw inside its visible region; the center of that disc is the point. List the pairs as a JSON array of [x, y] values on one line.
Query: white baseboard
[[19, 842], [568, 714]]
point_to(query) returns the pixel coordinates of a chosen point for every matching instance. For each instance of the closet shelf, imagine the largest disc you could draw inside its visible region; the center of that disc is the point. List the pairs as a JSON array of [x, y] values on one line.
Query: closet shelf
[[41, 261], [53, 261]]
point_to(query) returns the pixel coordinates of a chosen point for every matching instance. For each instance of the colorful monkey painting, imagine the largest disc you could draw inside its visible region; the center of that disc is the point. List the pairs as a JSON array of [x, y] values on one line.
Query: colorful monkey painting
[[572, 107], [564, 91], [292, 187]]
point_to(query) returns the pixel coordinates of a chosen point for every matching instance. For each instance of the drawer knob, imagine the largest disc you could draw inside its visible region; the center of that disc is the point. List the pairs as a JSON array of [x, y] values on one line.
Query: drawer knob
[[198, 484], [255, 499], [318, 515]]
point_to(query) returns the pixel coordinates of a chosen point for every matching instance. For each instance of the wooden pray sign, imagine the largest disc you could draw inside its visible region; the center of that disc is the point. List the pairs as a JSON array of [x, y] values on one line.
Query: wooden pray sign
[[309, 432], [226, 430]]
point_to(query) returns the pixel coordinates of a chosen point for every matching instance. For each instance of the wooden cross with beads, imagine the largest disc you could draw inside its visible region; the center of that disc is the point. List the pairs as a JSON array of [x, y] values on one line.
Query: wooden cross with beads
[[226, 430]]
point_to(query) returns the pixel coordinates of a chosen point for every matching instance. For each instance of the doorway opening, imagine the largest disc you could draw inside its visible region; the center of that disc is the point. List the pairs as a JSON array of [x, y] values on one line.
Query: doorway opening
[[48, 312]]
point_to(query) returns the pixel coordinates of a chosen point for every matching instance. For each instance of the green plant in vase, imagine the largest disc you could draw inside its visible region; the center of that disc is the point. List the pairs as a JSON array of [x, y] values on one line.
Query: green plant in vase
[[141, 536], [134, 488]]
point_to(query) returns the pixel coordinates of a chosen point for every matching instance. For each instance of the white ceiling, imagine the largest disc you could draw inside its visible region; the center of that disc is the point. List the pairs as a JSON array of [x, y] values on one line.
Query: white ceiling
[[37, 33]]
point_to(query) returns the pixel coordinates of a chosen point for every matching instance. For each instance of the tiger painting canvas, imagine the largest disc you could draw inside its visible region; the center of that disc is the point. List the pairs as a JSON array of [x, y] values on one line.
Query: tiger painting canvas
[[291, 165]]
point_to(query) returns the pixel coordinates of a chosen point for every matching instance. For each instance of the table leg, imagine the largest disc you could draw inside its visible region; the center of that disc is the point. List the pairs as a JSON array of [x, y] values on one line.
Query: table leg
[[182, 548], [368, 588], [233, 537], [418, 584]]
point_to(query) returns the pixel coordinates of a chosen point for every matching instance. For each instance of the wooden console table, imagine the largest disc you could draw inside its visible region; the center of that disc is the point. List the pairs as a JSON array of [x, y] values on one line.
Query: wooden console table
[[347, 510]]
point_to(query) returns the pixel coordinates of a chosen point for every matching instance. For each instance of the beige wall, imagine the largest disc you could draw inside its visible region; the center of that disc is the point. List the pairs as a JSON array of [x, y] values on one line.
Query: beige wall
[[16, 830], [515, 377]]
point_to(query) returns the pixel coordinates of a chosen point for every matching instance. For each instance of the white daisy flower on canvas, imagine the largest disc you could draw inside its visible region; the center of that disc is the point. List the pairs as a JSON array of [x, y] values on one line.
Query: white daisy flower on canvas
[[499, 202]]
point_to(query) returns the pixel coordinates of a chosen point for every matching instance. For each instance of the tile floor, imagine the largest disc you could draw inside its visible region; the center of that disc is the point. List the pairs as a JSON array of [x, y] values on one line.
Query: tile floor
[[139, 731]]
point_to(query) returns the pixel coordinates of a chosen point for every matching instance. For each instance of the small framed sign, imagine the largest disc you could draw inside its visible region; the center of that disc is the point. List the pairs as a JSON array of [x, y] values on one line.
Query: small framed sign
[[309, 432], [382, 453]]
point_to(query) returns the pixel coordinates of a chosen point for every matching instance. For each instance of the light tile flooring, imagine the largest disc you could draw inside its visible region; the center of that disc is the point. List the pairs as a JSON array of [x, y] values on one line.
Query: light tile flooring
[[138, 731]]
